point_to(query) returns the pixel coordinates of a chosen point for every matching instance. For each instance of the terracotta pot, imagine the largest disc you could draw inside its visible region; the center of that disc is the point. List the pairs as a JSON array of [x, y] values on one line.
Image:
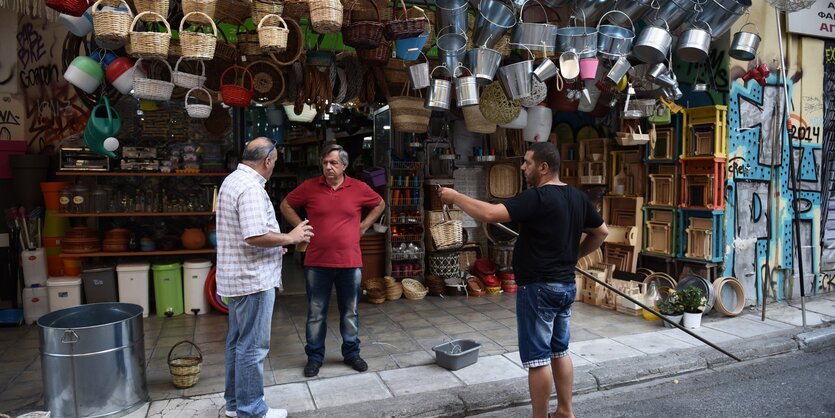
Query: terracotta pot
[[193, 239]]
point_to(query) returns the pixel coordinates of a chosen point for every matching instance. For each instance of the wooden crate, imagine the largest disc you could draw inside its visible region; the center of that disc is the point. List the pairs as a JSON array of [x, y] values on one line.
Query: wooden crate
[[625, 219], [707, 132], [706, 269], [702, 183], [662, 190], [624, 257], [628, 166], [658, 263], [701, 235], [593, 164], [659, 231], [665, 146]]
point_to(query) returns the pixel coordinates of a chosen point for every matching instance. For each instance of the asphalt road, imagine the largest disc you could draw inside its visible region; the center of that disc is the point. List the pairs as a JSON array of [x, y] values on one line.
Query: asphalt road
[[798, 384]]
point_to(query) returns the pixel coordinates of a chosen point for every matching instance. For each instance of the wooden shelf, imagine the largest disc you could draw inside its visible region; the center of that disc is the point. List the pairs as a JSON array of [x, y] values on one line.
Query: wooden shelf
[[137, 174], [141, 253], [129, 214]]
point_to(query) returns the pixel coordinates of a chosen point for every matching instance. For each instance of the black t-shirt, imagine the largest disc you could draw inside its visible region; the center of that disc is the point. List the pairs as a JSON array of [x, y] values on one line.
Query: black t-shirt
[[551, 220]]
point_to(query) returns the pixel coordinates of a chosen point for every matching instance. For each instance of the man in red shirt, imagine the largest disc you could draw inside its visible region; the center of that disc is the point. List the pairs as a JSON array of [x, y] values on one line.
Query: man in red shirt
[[334, 204]]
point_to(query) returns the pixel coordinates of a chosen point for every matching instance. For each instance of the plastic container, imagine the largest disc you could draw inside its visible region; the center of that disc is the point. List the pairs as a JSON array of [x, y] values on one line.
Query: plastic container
[[168, 289], [35, 303], [456, 354], [133, 280], [51, 192], [194, 280], [72, 266], [34, 268], [63, 292], [100, 284]]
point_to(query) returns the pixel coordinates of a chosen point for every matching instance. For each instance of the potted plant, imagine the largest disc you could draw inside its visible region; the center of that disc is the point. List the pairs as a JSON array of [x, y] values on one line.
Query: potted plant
[[671, 308], [693, 301]]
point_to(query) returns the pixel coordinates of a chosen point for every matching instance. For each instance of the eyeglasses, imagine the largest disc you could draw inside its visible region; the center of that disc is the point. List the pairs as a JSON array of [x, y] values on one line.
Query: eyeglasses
[[271, 149]]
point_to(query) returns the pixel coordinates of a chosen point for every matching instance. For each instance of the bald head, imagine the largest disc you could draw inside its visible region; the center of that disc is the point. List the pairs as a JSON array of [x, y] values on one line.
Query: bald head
[[257, 150]]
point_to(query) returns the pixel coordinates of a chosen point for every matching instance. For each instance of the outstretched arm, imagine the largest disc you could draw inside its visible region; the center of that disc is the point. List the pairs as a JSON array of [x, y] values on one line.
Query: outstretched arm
[[479, 210]]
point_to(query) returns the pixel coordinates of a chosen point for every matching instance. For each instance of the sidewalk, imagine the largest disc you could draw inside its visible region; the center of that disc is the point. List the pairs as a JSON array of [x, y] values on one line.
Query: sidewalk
[[609, 349]]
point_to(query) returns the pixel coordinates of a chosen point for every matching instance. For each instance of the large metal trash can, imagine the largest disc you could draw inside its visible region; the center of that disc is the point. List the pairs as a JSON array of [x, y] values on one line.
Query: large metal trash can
[[93, 360]]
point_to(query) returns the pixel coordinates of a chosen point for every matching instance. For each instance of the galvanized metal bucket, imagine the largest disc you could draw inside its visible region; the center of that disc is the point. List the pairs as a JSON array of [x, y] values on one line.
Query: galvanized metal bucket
[[545, 70], [744, 44], [439, 93], [653, 44], [618, 70], [494, 18], [580, 39], [419, 74], [540, 37], [614, 41], [466, 88], [694, 43], [484, 63], [452, 13], [452, 46], [516, 78]]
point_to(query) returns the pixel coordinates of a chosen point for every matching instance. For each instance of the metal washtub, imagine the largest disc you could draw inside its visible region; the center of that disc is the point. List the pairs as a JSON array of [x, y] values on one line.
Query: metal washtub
[[93, 360]]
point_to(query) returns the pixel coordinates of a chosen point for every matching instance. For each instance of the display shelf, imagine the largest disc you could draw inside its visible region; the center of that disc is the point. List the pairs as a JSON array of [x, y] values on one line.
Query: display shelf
[[138, 174], [139, 253], [129, 214], [416, 166], [398, 256], [407, 238]]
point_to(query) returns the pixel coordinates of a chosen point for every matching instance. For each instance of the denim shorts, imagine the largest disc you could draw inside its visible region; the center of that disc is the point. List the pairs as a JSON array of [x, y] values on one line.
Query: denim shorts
[[543, 313]]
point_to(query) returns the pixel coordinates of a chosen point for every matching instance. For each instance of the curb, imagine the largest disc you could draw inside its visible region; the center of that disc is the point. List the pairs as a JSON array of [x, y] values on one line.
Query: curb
[[816, 339]]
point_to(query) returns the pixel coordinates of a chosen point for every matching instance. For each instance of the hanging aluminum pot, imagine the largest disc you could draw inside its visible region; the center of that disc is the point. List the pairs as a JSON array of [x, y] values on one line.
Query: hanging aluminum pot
[[694, 43], [466, 88], [440, 90], [419, 74], [618, 70], [653, 44], [452, 46], [614, 41], [721, 14], [516, 78], [580, 39], [484, 62], [535, 36], [744, 45], [494, 18]]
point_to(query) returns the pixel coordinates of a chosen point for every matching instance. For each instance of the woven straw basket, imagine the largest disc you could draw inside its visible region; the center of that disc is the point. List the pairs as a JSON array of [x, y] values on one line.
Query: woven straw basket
[[394, 290], [444, 264], [405, 26], [149, 89], [496, 107], [273, 37], [149, 44], [503, 181], [325, 15], [197, 45], [408, 114], [233, 10], [476, 122], [185, 370], [261, 8], [413, 289], [364, 33], [159, 7], [187, 80], [112, 25], [447, 234], [198, 110], [206, 7]]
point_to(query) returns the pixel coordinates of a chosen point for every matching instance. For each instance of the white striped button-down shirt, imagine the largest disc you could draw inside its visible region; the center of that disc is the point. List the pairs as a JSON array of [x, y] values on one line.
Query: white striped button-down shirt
[[244, 210]]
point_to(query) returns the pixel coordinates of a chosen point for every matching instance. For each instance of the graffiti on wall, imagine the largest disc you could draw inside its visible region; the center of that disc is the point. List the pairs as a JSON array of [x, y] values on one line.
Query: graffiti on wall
[[762, 246], [827, 283], [52, 110]]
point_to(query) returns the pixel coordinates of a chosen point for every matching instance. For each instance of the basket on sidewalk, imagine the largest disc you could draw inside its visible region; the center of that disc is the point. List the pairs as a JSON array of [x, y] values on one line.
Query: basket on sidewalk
[[185, 370], [394, 290], [413, 289]]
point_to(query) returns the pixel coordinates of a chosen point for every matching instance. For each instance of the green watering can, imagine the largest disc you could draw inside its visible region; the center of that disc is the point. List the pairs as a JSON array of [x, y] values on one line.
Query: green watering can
[[104, 122]]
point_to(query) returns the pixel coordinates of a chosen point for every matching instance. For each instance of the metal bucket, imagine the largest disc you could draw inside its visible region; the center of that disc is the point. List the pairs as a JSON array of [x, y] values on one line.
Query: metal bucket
[[545, 70], [494, 18], [93, 360], [466, 89], [593, 9], [580, 39], [452, 47], [618, 70], [440, 90], [694, 43], [569, 66], [452, 13], [614, 41], [484, 63], [744, 45], [721, 14], [633, 9], [653, 44], [535, 36], [672, 12], [419, 74], [516, 79]]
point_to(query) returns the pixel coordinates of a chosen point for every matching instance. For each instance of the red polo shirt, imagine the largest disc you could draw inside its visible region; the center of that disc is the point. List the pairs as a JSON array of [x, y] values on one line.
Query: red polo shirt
[[335, 216]]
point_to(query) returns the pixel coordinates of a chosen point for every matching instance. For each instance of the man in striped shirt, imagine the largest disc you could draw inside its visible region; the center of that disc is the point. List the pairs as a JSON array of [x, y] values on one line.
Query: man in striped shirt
[[249, 251]]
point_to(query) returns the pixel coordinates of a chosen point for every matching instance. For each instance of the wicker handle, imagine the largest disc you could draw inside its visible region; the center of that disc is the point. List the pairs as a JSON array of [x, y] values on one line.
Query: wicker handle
[[212, 22], [170, 71], [199, 353], [246, 71], [202, 66], [200, 89], [280, 20], [446, 215], [376, 9], [94, 10], [161, 17]]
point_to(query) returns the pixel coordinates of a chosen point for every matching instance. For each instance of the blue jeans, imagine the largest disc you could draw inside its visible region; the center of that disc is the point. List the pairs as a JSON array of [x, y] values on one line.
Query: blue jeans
[[318, 282], [247, 345], [543, 315]]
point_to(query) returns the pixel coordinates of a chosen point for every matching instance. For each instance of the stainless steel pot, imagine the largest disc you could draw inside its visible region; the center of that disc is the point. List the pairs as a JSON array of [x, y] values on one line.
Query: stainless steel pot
[[744, 44], [614, 41], [440, 90], [694, 43], [535, 36], [653, 44], [484, 63], [466, 89], [494, 18]]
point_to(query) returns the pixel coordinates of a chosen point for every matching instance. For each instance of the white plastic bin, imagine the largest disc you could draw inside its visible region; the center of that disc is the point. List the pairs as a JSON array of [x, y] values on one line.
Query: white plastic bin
[[194, 278], [133, 280], [34, 267], [64, 292], [35, 303]]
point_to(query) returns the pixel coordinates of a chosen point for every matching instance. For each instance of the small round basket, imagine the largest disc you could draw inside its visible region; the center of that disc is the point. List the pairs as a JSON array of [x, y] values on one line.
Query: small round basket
[[197, 45], [149, 89], [394, 290], [149, 44], [198, 110], [435, 284], [413, 289], [444, 264], [185, 370], [448, 234], [496, 107], [376, 296], [271, 36], [187, 80], [261, 8], [203, 6], [113, 24]]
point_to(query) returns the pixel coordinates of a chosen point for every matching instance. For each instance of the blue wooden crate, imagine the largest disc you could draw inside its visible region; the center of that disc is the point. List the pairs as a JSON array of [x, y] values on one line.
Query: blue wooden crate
[[708, 232]]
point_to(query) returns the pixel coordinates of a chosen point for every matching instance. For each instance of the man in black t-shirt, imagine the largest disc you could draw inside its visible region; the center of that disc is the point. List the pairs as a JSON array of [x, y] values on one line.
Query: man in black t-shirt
[[552, 216]]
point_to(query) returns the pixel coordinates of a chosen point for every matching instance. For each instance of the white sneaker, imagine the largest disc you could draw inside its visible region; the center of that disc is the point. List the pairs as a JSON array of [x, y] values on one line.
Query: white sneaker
[[276, 413], [231, 414]]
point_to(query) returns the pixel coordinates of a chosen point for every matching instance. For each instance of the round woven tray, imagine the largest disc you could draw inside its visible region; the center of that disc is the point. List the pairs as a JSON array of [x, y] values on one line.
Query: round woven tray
[[413, 289], [503, 180]]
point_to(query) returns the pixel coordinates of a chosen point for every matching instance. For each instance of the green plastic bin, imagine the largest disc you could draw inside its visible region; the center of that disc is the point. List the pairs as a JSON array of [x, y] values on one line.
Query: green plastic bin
[[168, 288]]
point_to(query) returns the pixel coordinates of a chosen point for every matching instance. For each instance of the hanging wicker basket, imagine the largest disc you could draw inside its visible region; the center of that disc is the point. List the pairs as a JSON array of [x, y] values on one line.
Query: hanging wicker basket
[[376, 57], [206, 7], [187, 80], [233, 10], [112, 25], [408, 114], [325, 15], [296, 9], [272, 37], [261, 8], [447, 234], [147, 88], [405, 26], [496, 107], [159, 7], [295, 45], [444, 264], [225, 50], [149, 44], [235, 95], [198, 45], [185, 370], [364, 34], [198, 110], [476, 122]]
